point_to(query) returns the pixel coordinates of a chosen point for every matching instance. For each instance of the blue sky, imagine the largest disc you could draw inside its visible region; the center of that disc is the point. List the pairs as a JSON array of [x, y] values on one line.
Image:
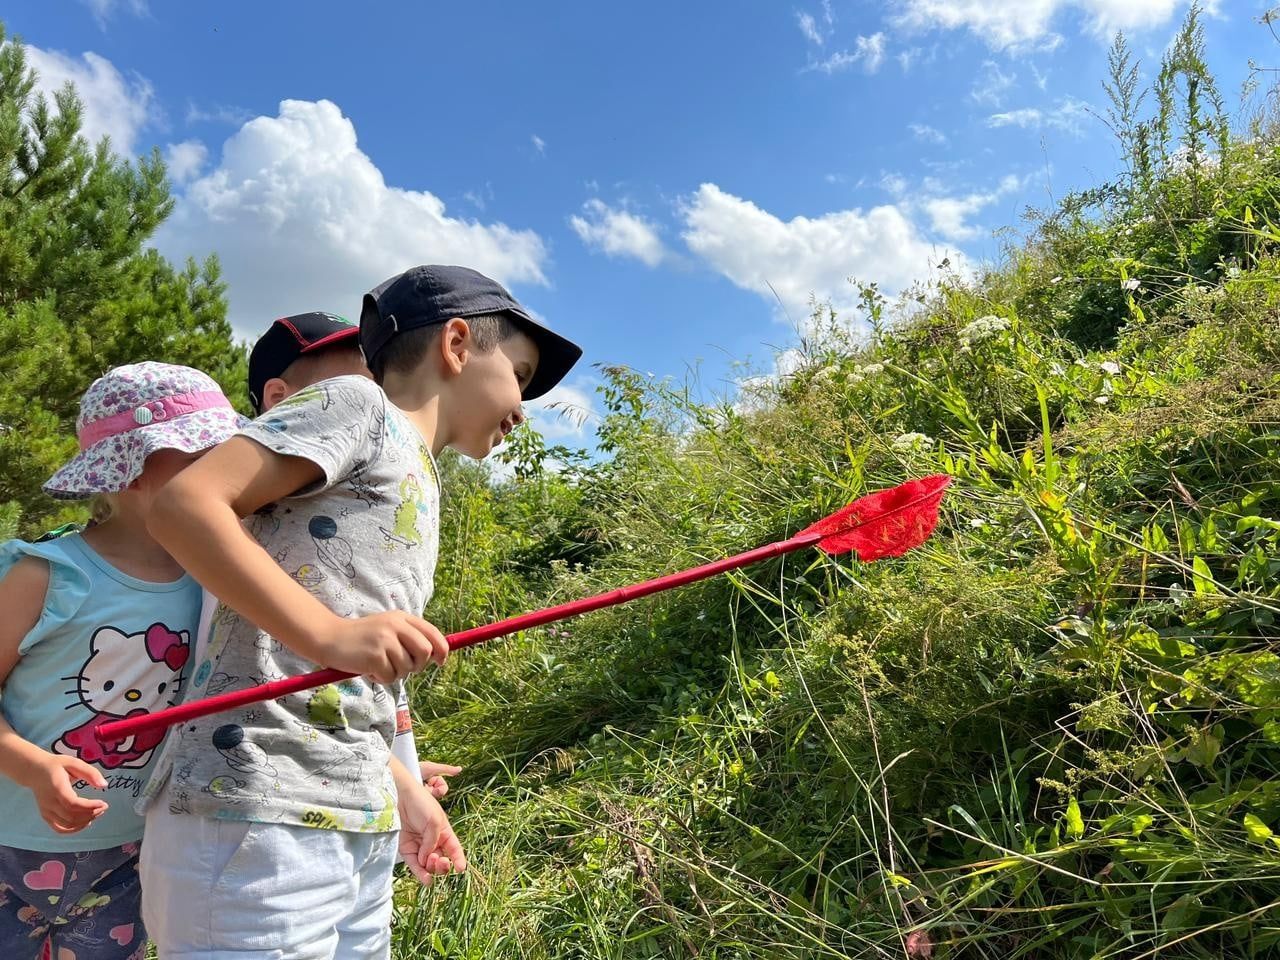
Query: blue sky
[[665, 182]]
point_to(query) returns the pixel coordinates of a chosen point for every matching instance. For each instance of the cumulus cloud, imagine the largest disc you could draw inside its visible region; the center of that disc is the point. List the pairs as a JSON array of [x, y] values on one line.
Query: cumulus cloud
[[1021, 24], [618, 233], [949, 215], [808, 257], [114, 105], [302, 219], [184, 160]]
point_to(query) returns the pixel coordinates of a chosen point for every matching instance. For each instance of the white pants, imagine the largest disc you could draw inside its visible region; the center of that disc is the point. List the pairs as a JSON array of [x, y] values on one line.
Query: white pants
[[233, 890]]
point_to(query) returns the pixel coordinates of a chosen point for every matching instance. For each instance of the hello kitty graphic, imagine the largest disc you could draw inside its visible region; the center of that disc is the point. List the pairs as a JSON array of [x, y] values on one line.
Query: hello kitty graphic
[[127, 674]]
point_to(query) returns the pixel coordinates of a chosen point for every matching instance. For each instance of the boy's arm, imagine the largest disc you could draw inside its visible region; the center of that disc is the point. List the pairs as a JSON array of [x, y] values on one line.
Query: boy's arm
[[196, 517], [47, 775], [428, 845]]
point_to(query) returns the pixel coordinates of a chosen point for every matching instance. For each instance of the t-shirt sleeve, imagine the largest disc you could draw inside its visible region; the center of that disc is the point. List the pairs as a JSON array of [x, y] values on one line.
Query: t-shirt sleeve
[[332, 423], [68, 586]]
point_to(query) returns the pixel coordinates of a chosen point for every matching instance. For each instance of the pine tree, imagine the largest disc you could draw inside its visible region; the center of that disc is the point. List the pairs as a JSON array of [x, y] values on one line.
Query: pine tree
[[80, 292]]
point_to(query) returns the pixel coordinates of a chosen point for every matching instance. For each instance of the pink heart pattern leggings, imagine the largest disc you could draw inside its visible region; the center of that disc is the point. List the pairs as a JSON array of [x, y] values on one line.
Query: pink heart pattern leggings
[[71, 906]]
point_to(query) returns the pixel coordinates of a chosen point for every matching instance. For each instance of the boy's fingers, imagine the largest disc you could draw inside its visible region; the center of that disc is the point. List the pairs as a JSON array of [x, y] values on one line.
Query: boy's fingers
[[450, 847], [431, 769], [439, 645], [438, 786]]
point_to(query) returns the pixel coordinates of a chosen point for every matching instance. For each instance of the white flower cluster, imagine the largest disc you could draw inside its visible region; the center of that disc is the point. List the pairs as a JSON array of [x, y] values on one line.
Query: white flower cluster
[[909, 442], [864, 371], [977, 331]]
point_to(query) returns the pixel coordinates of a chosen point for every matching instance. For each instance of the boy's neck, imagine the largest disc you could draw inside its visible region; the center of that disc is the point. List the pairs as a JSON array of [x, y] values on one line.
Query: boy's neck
[[422, 404]]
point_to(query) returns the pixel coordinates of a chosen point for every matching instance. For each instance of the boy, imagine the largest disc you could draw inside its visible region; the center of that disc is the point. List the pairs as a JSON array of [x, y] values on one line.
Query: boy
[[286, 805], [294, 353]]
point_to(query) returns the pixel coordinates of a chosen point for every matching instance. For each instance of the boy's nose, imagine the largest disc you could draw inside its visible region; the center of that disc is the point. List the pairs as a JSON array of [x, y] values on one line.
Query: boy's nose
[[518, 417]]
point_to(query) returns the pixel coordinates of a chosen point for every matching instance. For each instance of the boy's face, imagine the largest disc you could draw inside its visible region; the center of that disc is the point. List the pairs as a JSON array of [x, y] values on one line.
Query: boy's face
[[488, 392]]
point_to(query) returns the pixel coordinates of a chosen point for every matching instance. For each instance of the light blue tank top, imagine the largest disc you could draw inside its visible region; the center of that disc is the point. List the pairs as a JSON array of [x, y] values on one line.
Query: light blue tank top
[[107, 646]]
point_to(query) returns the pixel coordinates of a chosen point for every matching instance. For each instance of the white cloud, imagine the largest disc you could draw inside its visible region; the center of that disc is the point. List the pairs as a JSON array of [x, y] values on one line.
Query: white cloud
[[809, 27], [618, 233], [217, 113], [991, 85], [1022, 24], [807, 256], [927, 134], [114, 105], [867, 51], [1067, 115], [302, 219], [948, 216], [565, 412], [184, 160], [103, 10], [538, 143], [894, 183]]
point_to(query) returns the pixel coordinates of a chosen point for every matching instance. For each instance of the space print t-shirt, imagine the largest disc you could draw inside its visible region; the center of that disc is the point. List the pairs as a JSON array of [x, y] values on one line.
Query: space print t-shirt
[[363, 540], [107, 646]]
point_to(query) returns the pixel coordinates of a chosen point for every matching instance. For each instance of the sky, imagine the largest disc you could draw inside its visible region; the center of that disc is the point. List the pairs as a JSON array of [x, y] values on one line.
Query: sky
[[670, 184]]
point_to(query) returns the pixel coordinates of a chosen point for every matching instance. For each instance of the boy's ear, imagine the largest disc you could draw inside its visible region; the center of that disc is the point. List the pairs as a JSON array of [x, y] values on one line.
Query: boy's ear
[[455, 344], [273, 391]]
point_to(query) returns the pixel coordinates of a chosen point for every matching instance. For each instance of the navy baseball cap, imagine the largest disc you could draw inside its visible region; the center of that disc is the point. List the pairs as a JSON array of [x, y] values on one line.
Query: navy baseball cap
[[422, 296], [288, 339]]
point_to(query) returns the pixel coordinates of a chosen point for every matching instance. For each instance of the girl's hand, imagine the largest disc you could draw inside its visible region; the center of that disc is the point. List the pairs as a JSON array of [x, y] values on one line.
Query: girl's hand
[[428, 844], [64, 810]]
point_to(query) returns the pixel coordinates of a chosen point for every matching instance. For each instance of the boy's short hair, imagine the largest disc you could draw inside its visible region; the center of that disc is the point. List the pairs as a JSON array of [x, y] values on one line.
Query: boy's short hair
[[403, 354], [428, 296], [291, 338]]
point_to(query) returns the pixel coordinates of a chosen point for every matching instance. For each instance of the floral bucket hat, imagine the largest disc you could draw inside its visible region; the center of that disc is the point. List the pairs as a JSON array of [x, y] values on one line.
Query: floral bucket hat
[[131, 412]]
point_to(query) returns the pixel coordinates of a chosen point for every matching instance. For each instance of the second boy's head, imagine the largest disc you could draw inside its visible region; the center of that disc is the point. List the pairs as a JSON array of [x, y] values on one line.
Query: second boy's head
[[298, 351], [462, 337]]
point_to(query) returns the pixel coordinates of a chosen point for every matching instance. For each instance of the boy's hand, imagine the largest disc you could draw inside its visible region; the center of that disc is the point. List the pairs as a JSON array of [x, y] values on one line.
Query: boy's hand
[[433, 776], [64, 810], [383, 646], [428, 845]]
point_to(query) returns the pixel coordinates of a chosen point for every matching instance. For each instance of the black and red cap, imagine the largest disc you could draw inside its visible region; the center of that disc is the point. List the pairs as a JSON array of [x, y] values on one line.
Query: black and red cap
[[290, 338]]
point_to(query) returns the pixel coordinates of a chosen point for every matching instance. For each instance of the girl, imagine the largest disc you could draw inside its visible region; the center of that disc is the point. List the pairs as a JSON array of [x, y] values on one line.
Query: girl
[[97, 626]]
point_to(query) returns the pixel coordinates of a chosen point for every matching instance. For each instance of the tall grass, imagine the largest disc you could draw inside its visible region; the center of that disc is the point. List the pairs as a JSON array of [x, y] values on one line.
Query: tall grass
[[1051, 732]]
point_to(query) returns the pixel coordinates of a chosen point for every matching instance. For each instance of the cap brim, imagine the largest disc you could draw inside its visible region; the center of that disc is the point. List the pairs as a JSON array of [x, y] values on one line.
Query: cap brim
[[556, 357]]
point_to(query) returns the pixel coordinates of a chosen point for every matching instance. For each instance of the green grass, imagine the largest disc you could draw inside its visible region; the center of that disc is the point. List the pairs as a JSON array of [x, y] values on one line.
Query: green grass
[[1052, 732]]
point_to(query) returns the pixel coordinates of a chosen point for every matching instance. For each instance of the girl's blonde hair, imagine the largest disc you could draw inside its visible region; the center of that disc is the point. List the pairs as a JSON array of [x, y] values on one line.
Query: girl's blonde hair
[[102, 507]]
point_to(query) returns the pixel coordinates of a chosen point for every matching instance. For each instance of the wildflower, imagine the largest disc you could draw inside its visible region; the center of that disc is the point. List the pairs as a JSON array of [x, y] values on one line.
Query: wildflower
[[1110, 367], [977, 331], [1102, 400], [1056, 280], [1133, 283], [977, 523], [912, 441]]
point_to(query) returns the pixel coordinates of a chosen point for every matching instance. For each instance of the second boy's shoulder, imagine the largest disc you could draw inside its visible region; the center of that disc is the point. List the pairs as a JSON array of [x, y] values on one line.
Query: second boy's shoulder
[[350, 395]]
